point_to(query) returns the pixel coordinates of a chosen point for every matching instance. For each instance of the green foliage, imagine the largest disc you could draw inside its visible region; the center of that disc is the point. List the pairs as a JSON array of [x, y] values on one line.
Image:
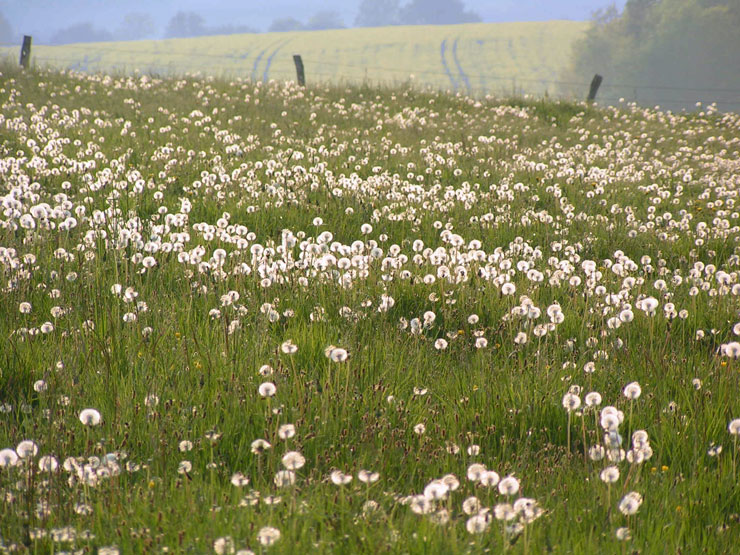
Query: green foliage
[[668, 52], [186, 24]]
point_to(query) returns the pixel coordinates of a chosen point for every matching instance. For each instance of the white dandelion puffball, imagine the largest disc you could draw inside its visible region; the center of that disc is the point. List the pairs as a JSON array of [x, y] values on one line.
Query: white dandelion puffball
[[368, 477], [239, 480], [289, 347], [184, 467], [338, 354], [8, 457], [27, 448], [267, 389], [630, 503], [48, 463], [504, 511], [632, 390], [284, 478], [508, 486], [293, 460], [268, 535], [734, 426], [90, 417], [571, 402], [475, 471], [593, 399], [471, 505], [451, 481], [223, 545], [436, 490], [731, 350], [609, 475], [596, 452], [477, 524], [339, 478], [489, 478], [259, 446]]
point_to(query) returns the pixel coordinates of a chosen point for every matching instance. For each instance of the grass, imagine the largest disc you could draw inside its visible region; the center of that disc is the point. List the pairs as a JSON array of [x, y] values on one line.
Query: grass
[[332, 208], [476, 59]]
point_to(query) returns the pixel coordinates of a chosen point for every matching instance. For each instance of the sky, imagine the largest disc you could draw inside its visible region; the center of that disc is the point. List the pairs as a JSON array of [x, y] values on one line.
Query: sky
[[42, 18]]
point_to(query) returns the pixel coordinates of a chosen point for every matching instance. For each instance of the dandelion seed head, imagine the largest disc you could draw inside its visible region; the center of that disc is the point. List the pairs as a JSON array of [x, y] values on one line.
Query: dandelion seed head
[[293, 460], [508, 486], [267, 389], [90, 417], [632, 390], [268, 535]]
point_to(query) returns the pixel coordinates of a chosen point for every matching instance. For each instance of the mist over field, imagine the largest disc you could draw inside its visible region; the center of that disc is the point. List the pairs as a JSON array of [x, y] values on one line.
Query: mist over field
[[45, 19], [678, 54]]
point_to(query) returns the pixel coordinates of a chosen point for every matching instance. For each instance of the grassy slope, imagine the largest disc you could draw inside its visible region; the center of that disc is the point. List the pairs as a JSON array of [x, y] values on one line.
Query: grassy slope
[[506, 399], [477, 58]]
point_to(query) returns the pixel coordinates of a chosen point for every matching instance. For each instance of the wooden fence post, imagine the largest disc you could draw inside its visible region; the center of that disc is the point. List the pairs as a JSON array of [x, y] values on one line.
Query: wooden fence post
[[299, 70], [595, 84], [26, 51]]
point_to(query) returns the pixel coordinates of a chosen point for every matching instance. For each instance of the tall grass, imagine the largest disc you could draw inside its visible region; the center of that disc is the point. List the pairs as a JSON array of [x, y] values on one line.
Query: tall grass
[[174, 238]]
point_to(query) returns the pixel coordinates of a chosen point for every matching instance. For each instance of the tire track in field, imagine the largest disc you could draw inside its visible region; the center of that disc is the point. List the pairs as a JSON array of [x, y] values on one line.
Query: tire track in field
[[256, 63], [258, 59], [442, 49], [266, 73], [460, 70]]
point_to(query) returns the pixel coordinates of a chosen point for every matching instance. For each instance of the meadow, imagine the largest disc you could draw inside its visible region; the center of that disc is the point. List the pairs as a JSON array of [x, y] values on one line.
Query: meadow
[[472, 59], [251, 317]]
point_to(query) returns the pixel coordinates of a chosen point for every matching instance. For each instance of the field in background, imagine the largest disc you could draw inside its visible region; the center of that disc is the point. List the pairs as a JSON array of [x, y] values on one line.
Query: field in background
[[474, 58]]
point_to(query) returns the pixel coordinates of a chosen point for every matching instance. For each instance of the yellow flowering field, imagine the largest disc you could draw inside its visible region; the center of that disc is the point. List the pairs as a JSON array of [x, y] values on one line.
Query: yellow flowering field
[[475, 58]]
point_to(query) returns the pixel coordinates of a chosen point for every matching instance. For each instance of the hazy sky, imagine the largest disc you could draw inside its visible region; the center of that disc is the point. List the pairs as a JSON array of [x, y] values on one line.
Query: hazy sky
[[42, 18]]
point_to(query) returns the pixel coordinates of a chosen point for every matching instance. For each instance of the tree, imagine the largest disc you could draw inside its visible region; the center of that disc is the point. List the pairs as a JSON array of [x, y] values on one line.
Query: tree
[[325, 20], [135, 26], [186, 24], [668, 52], [231, 30], [6, 31], [81, 32], [436, 12], [285, 24], [638, 17], [378, 13]]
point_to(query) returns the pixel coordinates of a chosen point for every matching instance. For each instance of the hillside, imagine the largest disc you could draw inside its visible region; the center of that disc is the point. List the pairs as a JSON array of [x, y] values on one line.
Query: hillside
[[473, 58], [280, 320]]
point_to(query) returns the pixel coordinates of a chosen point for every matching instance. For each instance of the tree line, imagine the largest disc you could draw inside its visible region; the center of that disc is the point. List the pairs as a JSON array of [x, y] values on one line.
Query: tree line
[[371, 13], [664, 52]]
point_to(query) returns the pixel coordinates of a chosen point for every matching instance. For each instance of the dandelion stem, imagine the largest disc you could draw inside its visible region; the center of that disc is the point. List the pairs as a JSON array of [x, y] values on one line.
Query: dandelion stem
[[583, 430], [346, 388], [569, 417], [526, 540]]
